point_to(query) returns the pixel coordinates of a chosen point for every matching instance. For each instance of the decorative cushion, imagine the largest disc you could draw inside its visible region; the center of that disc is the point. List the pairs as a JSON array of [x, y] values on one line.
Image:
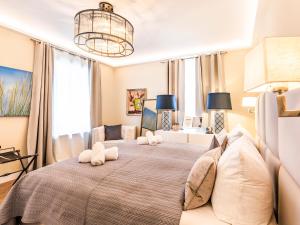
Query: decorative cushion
[[222, 139], [242, 193], [201, 179], [113, 132]]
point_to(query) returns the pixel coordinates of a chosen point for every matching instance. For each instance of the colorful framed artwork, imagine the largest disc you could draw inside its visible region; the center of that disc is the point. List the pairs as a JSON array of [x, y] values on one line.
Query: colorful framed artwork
[[15, 92], [135, 98]]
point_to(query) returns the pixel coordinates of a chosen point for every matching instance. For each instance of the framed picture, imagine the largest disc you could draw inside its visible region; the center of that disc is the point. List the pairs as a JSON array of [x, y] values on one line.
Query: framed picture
[[15, 92], [135, 98]]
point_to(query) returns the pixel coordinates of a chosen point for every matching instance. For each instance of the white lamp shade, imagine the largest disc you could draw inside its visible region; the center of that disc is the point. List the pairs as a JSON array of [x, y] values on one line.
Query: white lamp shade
[[274, 62]]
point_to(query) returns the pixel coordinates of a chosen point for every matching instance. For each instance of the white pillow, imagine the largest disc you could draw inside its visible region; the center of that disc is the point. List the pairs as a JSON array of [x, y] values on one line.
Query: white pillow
[[238, 132], [243, 189]]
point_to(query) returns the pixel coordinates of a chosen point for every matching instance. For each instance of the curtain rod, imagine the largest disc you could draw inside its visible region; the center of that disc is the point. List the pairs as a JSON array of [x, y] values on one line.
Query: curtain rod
[[62, 49], [191, 57]]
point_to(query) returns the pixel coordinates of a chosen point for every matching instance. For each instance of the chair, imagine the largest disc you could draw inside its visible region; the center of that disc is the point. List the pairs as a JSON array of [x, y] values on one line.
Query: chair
[[128, 133]]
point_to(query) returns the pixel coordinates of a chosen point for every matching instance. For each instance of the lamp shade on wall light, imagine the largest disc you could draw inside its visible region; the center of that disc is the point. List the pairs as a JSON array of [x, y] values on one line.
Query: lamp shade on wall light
[[275, 62]]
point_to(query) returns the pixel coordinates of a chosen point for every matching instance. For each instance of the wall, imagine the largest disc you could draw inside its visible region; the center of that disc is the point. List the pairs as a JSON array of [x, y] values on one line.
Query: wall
[[109, 92], [234, 82], [16, 52], [152, 76]]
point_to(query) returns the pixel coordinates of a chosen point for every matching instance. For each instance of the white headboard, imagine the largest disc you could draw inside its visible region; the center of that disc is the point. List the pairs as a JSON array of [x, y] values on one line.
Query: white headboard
[[280, 147]]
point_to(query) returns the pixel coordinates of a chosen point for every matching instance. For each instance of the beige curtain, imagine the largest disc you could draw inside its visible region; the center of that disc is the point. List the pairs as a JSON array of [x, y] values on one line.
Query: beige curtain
[[176, 86], [96, 102], [39, 138], [209, 78]]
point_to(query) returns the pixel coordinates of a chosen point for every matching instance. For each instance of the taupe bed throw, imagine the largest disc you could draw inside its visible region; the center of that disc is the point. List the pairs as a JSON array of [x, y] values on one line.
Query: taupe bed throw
[[142, 187]]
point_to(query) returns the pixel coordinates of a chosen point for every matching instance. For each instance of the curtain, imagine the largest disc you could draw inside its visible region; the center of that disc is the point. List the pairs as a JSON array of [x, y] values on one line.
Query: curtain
[[39, 137], [176, 86], [209, 78], [96, 101], [71, 105], [71, 94]]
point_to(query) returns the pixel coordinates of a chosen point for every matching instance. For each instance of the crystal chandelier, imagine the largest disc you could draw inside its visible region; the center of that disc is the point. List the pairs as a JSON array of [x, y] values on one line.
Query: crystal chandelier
[[102, 32]]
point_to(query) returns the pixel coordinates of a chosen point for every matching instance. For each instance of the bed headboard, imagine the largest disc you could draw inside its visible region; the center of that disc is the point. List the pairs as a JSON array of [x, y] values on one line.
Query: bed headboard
[[279, 143]]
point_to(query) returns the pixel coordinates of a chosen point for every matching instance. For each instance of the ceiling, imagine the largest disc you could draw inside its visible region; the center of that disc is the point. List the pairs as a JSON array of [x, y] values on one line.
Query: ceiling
[[163, 28]]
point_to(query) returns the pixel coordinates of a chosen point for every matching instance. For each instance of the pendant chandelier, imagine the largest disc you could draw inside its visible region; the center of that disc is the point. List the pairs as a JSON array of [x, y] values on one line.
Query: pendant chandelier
[[102, 32]]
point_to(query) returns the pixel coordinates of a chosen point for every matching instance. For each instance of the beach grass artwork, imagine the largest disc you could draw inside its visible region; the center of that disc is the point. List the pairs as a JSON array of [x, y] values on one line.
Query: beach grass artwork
[[15, 92]]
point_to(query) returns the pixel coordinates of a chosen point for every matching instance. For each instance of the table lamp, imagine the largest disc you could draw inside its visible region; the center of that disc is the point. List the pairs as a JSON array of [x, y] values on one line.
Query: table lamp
[[219, 101], [167, 104]]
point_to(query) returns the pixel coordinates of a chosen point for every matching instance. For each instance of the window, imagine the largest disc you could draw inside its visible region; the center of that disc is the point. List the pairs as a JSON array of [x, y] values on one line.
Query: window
[[190, 87], [71, 94]]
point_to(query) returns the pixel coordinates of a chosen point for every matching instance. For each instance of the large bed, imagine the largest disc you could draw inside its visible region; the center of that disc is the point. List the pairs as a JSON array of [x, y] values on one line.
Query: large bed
[[144, 186]]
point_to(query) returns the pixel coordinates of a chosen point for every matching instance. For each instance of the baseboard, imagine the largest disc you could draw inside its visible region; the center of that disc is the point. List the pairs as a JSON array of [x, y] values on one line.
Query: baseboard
[[9, 178]]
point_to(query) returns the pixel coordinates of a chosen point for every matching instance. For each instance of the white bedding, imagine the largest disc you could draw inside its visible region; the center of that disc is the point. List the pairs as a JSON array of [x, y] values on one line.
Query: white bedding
[[205, 216], [202, 215]]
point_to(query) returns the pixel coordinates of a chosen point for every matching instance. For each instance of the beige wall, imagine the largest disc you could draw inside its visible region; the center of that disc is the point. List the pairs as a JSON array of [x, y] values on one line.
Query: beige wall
[[109, 92], [152, 76], [234, 81], [16, 51]]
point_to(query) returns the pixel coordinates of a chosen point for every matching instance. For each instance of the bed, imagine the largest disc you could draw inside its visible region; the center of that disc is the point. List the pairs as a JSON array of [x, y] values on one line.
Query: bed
[[123, 187], [278, 142], [144, 186]]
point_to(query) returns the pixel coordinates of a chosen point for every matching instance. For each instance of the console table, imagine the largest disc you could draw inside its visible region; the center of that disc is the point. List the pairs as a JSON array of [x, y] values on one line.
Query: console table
[[8, 155], [191, 136]]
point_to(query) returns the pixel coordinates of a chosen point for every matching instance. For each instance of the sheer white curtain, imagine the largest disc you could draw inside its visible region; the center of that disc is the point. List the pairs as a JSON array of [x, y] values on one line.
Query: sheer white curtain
[[71, 94], [71, 105]]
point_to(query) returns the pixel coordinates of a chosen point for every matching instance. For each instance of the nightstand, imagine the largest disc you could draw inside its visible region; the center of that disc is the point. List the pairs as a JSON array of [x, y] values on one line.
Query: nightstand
[[190, 135]]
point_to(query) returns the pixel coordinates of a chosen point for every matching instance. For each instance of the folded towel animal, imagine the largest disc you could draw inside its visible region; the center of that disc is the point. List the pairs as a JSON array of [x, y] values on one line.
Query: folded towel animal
[[111, 153], [151, 138], [98, 154], [85, 156], [142, 141], [159, 139]]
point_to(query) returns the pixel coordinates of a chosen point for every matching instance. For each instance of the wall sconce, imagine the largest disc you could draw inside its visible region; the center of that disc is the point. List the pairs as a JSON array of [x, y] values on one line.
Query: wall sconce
[[249, 102]]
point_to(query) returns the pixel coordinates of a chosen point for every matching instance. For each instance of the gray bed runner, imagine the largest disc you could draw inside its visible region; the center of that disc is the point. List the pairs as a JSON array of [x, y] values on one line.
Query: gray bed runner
[[142, 187]]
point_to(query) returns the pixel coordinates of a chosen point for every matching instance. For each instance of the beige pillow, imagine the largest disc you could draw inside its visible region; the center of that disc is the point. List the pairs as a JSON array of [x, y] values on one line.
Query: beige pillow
[[242, 193], [201, 179]]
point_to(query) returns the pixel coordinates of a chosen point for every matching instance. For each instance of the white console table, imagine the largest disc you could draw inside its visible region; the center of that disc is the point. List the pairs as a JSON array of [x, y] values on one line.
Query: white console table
[[191, 136]]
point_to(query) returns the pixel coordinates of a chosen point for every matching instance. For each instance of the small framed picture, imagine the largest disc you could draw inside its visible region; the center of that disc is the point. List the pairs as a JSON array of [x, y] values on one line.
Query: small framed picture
[[135, 98]]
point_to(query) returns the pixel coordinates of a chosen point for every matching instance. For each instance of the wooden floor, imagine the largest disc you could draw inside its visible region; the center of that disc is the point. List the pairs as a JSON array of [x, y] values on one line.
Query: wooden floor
[[4, 189]]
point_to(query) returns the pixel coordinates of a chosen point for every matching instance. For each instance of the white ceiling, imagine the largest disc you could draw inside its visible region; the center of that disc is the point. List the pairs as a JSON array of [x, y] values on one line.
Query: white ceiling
[[163, 28]]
